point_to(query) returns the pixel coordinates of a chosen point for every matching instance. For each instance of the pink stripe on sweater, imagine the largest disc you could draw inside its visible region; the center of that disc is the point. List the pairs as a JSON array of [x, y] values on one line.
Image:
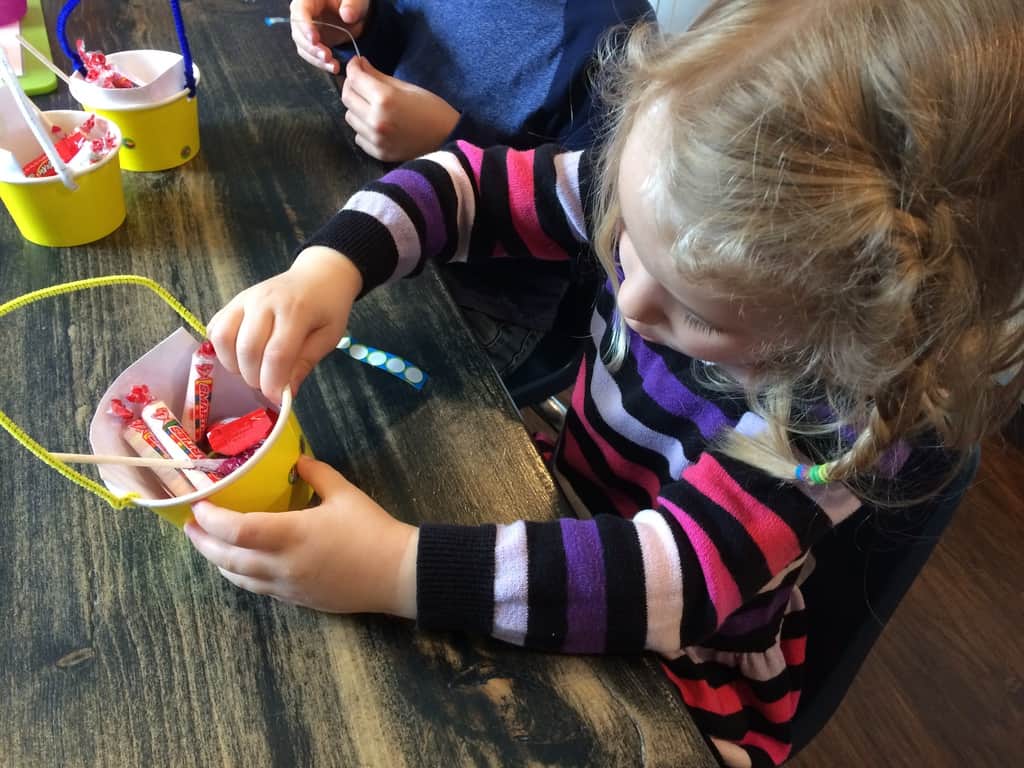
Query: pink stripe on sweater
[[619, 464], [475, 155], [622, 504], [721, 586], [773, 536], [523, 206]]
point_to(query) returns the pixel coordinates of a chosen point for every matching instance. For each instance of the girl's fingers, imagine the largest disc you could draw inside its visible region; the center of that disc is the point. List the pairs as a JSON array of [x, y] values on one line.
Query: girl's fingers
[[250, 343], [263, 531], [244, 562], [316, 346], [222, 331], [280, 355], [257, 586]]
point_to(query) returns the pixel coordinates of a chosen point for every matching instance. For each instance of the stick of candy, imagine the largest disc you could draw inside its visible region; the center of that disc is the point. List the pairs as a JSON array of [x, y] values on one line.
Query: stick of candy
[[176, 442], [142, 440], [196, 413]]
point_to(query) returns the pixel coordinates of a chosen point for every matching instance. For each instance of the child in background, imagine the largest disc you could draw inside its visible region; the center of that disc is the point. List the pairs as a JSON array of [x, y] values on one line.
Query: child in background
[[489, 72], [809, 214]]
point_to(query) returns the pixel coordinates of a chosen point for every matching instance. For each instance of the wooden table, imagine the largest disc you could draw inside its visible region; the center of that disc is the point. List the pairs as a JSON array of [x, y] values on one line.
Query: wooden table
[[120, 645]]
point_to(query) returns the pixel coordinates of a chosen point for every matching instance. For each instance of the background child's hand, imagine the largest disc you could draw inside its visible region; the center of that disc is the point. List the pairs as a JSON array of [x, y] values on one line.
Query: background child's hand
[[345, 556], [276, 331], [393, 120], [313, 43]]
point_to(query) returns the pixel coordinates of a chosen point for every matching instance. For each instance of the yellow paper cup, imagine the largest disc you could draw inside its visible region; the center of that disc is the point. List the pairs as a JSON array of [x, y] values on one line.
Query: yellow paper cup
[[48, 213], [267, 482], [156, 135]]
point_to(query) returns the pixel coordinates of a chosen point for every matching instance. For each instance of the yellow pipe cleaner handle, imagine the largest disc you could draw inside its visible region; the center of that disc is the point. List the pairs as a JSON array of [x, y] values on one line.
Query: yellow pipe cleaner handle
[[117, 502]]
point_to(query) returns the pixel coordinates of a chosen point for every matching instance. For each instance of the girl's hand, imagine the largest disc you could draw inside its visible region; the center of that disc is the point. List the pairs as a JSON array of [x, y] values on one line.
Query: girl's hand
[[313, 42], [276, 331], [345, 556], [393, 120]]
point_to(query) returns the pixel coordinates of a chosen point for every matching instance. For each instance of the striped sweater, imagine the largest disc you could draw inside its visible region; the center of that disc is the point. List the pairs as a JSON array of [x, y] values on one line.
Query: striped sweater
[[678, 549]]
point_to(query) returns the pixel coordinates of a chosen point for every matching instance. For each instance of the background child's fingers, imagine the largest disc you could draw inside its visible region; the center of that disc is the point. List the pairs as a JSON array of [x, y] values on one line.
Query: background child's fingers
[[361, 127], [369, 148], [353, 11], [252, 339], [364, 82]]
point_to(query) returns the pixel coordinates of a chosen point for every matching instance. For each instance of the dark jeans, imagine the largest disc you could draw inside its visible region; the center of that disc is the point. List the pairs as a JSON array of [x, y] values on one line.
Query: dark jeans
[[506, 344]]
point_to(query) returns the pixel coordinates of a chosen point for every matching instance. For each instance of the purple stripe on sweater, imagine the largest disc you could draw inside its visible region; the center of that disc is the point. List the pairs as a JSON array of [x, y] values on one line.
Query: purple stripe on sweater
[[587, 610], [420, 190], [671, 394], [758, 618]]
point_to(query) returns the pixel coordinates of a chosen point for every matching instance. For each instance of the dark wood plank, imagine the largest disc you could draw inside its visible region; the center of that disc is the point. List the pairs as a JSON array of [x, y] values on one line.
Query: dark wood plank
[[123, 647]]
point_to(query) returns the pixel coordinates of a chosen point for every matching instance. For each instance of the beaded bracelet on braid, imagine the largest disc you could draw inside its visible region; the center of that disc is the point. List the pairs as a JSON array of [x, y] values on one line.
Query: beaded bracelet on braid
[[813, 474]]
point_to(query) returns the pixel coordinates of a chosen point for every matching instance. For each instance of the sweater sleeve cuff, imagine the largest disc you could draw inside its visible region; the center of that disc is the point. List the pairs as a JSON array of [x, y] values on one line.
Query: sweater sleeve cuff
[[455, 578], [364, 240]]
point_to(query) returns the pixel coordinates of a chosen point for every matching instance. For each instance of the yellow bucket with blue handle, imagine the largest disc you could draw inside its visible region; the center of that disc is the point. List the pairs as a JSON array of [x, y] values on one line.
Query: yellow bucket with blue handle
[[159, 120], [45, 210], [267, 482]]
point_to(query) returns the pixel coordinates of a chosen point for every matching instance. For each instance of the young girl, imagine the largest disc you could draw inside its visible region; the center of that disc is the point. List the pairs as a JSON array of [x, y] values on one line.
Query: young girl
[[810, 216]]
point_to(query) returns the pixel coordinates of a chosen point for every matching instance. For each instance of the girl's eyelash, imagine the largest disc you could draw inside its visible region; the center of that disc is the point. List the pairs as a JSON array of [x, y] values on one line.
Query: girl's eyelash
[[697, 324]]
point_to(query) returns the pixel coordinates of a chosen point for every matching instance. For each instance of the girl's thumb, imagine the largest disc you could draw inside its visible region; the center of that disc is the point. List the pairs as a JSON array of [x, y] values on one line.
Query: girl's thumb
[[325, 479]]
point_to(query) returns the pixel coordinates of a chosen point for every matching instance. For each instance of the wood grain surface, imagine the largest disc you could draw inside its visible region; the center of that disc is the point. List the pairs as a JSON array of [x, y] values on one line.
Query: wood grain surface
[[122, 647]]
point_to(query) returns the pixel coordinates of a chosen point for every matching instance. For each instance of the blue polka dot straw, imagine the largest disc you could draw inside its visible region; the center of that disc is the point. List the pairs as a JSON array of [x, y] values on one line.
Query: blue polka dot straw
[[411, 374]]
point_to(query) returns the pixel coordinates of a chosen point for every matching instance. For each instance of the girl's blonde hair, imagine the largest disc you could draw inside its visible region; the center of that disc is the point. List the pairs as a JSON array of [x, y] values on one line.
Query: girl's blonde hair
[[857, 165]]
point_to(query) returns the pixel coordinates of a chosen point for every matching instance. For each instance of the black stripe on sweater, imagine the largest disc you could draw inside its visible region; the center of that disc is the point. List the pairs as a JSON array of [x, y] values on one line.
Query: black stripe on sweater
[[625, 588], [493, 212], [547, 590], [455, 578], [716, 675]]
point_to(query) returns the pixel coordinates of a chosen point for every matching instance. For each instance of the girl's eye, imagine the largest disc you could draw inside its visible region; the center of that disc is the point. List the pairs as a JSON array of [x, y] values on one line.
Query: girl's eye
[[697, 324]]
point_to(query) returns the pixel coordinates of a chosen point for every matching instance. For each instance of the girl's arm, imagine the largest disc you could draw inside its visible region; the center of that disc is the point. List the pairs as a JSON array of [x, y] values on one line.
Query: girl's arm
[[667, 578], [463, 204]]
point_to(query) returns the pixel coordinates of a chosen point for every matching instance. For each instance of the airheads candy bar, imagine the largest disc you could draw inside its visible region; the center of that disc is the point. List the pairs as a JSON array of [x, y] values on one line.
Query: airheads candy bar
[[199, 394], [176, 442]]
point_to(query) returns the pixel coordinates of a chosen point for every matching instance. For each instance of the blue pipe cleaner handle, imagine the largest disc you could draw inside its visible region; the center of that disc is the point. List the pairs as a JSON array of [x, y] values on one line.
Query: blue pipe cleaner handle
[[76, 60]]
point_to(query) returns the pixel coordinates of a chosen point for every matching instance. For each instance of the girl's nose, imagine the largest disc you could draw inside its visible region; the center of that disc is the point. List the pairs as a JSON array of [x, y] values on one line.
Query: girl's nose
[[641, 298]]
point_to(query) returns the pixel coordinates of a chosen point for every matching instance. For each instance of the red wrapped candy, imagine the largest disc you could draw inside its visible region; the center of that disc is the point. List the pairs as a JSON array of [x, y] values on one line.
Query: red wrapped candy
[[233, 437], [67, 148]]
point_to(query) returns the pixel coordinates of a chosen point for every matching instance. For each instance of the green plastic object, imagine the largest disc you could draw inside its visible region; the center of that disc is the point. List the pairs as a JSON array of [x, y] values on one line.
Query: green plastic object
[[37, 78]]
